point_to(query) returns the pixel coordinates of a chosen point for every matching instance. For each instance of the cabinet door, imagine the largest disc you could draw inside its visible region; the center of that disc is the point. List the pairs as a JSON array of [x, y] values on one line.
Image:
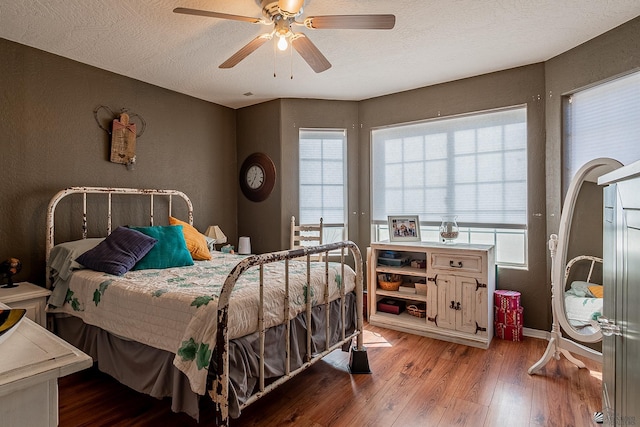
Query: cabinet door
[[628, 350], [611, 264], [466, 295], [446, 301]]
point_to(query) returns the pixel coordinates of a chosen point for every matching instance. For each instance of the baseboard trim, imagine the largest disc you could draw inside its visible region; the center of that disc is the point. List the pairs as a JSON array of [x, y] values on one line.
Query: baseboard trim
[[536, 333]]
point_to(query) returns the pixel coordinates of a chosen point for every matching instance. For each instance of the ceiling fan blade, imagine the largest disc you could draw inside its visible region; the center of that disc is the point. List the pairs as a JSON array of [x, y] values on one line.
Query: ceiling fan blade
[[197, 12], [245, 51], [310, 53], [351, 22]]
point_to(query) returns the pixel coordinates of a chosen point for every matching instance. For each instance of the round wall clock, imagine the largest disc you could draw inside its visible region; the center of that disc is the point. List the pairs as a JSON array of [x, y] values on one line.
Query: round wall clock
[[257, 177]]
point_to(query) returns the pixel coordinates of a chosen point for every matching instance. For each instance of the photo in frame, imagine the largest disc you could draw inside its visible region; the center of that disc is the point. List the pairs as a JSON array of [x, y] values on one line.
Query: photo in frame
[[404, 228]]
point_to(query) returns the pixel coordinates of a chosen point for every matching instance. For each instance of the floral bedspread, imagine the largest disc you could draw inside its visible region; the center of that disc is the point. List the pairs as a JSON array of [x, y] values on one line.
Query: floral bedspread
[[175, 309]]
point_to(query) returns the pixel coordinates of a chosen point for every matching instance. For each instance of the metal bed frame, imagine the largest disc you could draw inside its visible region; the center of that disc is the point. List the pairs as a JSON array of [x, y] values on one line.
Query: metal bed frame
[[218, 388]]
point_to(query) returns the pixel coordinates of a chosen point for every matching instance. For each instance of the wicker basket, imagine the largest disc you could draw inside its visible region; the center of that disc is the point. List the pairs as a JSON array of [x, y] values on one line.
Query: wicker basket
[[417, 310], [389, 286]]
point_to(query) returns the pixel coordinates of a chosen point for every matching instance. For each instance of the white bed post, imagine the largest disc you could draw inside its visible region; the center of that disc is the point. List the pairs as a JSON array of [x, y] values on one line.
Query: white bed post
[[358, 360]]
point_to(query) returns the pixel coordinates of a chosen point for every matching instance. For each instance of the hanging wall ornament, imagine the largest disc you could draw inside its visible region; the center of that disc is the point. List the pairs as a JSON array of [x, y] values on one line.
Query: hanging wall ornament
[[123, 141], [123, 137]]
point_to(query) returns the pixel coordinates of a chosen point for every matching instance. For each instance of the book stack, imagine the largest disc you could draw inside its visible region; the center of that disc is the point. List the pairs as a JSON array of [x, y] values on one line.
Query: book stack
[[508, 315]]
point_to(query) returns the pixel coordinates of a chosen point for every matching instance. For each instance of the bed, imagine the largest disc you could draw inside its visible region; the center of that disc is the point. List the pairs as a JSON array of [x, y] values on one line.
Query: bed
[[230, 327], [583, 299]]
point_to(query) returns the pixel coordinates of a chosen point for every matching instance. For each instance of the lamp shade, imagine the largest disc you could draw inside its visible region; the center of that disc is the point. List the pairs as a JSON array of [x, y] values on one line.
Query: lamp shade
[[216, 233]]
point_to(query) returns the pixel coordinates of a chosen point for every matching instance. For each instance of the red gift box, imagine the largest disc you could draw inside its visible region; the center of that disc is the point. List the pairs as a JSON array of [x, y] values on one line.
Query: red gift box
[[508, 332], [509, 317], [507, 300]]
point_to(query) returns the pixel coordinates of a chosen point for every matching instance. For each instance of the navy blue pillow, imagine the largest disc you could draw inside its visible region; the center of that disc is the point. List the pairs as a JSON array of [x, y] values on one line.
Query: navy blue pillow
[[170, 251], [119, 252]]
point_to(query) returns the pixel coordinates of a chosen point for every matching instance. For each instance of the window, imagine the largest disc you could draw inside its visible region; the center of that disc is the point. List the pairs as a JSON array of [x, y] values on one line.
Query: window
[[601, 121], [323, 187], [473, 166]]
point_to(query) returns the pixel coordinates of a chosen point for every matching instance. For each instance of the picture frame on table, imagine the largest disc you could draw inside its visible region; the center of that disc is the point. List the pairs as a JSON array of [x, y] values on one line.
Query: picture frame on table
[[404, 228]]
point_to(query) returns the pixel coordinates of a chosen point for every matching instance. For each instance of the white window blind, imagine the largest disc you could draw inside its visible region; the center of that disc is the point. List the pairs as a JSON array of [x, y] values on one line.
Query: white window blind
[[602, 121], [472, 166], [323, 179]]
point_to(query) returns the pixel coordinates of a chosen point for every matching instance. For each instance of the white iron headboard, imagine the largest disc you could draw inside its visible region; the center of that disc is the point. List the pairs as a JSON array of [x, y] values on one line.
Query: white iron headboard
[[108, 191]]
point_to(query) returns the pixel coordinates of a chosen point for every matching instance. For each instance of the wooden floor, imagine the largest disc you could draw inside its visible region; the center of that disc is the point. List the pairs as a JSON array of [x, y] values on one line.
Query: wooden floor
[[415, 381]]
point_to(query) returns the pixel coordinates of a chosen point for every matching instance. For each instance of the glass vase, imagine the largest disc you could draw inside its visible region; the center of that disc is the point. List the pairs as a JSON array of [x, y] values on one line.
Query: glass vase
[[449, 229]]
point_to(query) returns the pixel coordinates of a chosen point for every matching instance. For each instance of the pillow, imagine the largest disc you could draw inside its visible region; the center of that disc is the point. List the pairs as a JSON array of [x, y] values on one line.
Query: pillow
[[581, 289], [118, 252], [597, 291], [170, 251], [63, 256], [196, 243]]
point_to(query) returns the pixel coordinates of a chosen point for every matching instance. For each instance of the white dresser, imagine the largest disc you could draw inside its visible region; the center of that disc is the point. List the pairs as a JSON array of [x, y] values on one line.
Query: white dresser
[[459, 279], [621, 331], [31, 361]]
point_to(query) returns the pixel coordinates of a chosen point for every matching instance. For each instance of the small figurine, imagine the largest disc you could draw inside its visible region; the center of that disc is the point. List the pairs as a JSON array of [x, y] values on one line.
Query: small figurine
[[8, 269]]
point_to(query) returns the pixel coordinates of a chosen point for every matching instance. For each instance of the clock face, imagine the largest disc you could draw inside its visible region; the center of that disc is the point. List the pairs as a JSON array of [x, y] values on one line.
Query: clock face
[[255, 177]]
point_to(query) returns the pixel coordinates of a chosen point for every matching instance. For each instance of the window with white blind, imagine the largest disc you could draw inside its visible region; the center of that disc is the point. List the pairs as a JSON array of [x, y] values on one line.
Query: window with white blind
[[323, 182], [601, 121], [472, 166]]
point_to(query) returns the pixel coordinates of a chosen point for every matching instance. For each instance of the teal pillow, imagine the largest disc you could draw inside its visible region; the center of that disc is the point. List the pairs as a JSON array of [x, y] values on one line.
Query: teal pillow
[[170, 251]]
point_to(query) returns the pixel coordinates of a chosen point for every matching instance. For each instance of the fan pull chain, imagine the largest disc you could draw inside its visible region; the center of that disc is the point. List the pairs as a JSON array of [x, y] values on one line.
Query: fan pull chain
[[274, 60], [291, 57]]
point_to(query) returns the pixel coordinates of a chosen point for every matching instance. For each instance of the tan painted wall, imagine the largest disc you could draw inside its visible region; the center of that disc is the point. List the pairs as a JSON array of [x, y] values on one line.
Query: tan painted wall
[[300, 113], [49, 140], [614, 53], [520, 86], [259, 131]]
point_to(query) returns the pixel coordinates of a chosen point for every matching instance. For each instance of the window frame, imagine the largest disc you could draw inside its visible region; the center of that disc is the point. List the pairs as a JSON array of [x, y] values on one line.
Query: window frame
[[468, 231], [333, 231], [569, 142]]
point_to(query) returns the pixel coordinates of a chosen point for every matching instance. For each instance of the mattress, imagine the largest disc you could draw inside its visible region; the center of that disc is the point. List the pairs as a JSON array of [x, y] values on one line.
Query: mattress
[[174, 309], [151, 371]]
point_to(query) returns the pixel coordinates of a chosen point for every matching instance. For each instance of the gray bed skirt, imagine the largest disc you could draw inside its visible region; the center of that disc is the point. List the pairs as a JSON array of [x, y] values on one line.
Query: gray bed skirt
[[151, 371]]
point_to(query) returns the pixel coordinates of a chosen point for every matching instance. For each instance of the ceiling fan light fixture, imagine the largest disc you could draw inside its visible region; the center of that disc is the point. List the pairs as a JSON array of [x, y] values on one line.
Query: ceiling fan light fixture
[[282, 42], [290, 8]]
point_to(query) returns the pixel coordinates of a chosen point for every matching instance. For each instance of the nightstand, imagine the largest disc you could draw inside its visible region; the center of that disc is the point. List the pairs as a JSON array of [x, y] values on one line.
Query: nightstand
[[31, 297], [32, 361]]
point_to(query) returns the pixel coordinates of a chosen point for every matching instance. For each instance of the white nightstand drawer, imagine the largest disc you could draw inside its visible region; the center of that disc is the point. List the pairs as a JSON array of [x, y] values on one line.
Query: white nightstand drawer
[[32, 298]]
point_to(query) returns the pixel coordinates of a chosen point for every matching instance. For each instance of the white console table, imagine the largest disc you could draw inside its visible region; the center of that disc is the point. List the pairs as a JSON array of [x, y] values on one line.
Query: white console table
[[31, 361]]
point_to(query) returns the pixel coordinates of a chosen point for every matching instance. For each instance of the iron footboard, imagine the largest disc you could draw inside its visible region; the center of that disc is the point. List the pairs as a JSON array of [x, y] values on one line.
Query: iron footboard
[[219, 391]]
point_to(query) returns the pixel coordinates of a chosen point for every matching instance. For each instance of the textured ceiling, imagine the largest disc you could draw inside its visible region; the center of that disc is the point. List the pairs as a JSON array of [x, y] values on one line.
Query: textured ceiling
[[433, 42]]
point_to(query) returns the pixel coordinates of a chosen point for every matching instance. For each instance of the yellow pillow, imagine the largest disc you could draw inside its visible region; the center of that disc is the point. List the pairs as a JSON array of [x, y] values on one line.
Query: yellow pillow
[[597, 291], [196, 242]]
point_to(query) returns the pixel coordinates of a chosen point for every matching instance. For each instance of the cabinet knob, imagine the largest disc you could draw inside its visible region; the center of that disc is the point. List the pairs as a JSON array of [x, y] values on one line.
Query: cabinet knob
[[452, 305]]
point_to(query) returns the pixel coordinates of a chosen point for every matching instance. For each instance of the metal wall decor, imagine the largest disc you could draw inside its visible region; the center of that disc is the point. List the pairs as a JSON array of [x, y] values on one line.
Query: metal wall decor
[[123, 135]]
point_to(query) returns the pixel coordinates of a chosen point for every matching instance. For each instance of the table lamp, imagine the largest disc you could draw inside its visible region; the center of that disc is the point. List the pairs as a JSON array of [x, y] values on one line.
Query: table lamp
[[214, 232]]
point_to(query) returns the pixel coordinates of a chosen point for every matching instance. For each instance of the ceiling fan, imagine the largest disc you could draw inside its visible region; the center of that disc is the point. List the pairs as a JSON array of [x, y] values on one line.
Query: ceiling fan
[[282, 14]]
